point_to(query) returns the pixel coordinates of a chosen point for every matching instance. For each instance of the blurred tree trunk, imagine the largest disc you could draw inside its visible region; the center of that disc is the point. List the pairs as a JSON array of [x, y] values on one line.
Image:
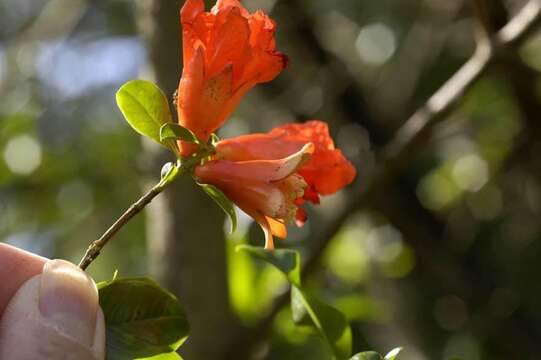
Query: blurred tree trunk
[[185, 229]]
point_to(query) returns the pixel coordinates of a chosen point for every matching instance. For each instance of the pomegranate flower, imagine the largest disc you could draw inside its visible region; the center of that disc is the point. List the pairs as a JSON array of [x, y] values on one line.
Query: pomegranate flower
[[327, 172], [270, 175], [227, 51]]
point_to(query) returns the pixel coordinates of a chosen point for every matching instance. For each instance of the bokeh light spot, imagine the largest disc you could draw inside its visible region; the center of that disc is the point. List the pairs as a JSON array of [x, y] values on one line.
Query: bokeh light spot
[[436, 191], [345, 256], [384, 243], [470, 172], [376, 43], [22, 155]]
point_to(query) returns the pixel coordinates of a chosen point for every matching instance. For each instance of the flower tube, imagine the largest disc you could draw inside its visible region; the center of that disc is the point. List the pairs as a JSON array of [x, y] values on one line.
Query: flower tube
[[227, 51]]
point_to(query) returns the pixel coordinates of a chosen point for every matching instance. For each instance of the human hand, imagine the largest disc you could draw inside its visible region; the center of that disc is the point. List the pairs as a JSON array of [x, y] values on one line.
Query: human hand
[[48, 309]]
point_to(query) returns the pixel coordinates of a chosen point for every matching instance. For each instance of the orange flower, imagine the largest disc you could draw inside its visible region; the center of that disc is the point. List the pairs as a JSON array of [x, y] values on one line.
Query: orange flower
[[242, 170], [266, 190], [327, 172], [227, 51]]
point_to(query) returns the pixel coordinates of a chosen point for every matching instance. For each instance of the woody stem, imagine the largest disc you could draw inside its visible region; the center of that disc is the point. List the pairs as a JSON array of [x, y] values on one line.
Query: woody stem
[[96, 246]]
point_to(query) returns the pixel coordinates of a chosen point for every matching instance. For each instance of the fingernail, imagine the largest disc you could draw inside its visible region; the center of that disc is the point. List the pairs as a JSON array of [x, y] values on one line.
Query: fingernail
[[68, 300]]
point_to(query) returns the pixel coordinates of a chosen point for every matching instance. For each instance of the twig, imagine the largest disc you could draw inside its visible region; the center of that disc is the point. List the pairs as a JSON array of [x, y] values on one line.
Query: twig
[[94, 249], [182, 166], [411, 136], [398, 154]]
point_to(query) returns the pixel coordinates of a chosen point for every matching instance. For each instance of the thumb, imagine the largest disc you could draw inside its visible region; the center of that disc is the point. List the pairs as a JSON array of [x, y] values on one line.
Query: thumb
[[54, 315]]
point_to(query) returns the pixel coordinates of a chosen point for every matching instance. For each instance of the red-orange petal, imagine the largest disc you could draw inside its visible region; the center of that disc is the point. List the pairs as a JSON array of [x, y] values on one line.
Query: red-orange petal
[[229, 36], [258, 170], [188, 15], [262, 30], [230, 42], [190, 10], [310, 194], [256, 146], [328, 170], [189, 90]]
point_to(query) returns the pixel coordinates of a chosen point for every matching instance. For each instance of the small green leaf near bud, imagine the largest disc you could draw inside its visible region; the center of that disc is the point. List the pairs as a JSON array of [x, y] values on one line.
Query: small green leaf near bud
[[144, 107], [172, 131]]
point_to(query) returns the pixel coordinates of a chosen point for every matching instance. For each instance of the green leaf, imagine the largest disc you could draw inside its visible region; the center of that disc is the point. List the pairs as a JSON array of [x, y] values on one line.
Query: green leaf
[[223, 201], [329, 322], [393, 354], [141, 318], [168, 356], [172, 131], [367, 355], [286, 260], [144, 106]]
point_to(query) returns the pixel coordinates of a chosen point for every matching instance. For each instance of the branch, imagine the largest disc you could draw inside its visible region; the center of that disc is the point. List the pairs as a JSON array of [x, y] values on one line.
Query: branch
[[411, 136], [414, 133], [441, 103], [95, 247], [522, 79]]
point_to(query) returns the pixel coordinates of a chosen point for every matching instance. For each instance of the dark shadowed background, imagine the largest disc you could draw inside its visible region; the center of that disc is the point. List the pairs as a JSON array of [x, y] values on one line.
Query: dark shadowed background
[[443, 259]]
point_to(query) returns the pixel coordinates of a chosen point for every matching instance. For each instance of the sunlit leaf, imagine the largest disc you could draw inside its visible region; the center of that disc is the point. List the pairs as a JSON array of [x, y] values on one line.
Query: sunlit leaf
[[223, 201], [393, 354], [287, 261], [144, 106], [168, 356], [141, 318], [329, 322], [172, 131], [367, 355]]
